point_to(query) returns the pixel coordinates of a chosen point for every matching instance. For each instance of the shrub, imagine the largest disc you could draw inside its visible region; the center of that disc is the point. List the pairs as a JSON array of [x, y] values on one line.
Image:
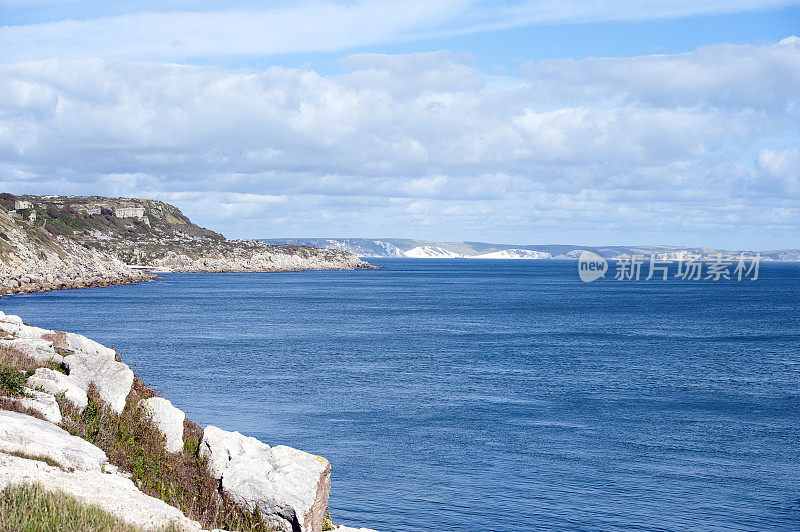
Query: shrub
[[135, 445], [12, 381], [15, 368], [7, 200]]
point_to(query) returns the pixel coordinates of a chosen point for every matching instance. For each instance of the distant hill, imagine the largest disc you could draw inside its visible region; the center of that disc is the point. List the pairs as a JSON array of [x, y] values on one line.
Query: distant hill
[[68, 241], [395, 247]]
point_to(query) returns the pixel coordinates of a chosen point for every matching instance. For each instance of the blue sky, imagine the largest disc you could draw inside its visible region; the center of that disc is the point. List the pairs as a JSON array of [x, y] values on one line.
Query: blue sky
[[579, 122]]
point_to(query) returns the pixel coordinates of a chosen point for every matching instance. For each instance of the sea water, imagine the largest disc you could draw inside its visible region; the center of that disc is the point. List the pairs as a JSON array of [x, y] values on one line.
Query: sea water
[[485, 395]]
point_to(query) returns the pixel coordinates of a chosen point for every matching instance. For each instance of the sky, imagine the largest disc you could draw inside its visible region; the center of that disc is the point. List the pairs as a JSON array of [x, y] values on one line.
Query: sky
[[603, 122]]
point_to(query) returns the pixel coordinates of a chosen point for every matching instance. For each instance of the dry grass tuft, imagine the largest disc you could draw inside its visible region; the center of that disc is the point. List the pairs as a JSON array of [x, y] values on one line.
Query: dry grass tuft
[[135, 445], [30, 508]]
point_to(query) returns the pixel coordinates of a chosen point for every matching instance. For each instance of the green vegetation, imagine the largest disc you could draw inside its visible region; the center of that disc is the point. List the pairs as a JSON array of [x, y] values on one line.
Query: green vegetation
[[162, 228], [135, 445], [12, 382], [30, 508], [327, 522], [25, 213], [15, 368]]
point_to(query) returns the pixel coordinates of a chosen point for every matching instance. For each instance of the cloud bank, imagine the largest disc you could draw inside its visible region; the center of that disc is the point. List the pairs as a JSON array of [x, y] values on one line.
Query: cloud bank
[[694, 148]]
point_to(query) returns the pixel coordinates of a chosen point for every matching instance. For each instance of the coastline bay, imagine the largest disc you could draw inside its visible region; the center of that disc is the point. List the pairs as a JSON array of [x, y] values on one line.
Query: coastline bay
[[468, 395]]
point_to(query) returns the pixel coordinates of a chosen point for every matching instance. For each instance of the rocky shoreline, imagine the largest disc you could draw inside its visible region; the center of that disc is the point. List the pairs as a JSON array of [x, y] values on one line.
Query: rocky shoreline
[[285, 487], [31, 283], [62, 242]]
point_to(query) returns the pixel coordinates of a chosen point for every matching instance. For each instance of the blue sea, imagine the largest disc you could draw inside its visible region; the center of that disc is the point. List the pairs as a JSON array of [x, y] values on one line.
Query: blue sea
[[485, 395]]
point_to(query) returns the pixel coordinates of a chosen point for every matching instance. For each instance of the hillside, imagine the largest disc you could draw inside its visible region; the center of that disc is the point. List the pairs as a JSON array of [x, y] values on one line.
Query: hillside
[[49, 242], [397, 247]]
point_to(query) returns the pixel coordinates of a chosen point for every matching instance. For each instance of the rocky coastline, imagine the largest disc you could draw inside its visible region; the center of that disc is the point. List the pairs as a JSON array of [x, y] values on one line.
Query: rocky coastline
[[75, 420], [63, 242], [31, 283], [71, 378]]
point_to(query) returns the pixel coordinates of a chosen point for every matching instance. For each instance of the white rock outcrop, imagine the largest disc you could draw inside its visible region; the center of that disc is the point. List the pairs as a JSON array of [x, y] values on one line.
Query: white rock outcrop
[[81, 344], [169, 421], [288, 486], [86, 361], [112, 492], [56, 383], [37, 348], [113, 379], [43, 403], [27, 435], [10, 318]]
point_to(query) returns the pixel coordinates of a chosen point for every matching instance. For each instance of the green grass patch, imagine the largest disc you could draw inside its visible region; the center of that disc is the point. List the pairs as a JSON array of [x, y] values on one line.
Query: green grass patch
[[15, 368], [31, 508], [12, 382]]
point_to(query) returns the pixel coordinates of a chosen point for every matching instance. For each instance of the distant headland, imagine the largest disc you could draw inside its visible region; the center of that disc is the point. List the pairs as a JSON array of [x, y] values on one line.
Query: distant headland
[[57, 242]]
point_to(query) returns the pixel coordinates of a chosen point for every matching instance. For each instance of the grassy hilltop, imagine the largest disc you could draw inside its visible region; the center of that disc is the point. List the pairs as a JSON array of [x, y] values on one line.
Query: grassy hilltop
[[142, 233]]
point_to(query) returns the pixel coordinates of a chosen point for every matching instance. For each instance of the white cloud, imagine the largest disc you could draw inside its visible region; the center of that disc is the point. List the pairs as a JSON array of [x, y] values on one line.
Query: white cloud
[[167, 30], [747, 76], [424, 141]]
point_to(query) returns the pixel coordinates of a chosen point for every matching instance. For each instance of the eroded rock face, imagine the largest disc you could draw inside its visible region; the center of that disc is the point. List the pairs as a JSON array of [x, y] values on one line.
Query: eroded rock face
[[113, 379], [39, 349], [43, 403], [55, 383], [288, 486], [24, 434], [169, 421], [112, 492], [10, 318], [86, 361], [81, 344]]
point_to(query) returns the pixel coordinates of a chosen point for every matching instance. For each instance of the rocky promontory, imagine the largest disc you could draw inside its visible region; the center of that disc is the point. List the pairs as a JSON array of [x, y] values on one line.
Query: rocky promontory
[[56, 242]]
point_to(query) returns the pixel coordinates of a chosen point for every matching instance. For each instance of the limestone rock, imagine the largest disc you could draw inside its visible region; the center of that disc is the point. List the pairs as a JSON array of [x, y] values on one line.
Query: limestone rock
[[10, 318], [20, 433], [56, 383], [112, 492], [43, 403], [113, 379], [221, 447], [288, 486], [89, 362], [36, 348], [81, 344], [169, 421], [18, 329]]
